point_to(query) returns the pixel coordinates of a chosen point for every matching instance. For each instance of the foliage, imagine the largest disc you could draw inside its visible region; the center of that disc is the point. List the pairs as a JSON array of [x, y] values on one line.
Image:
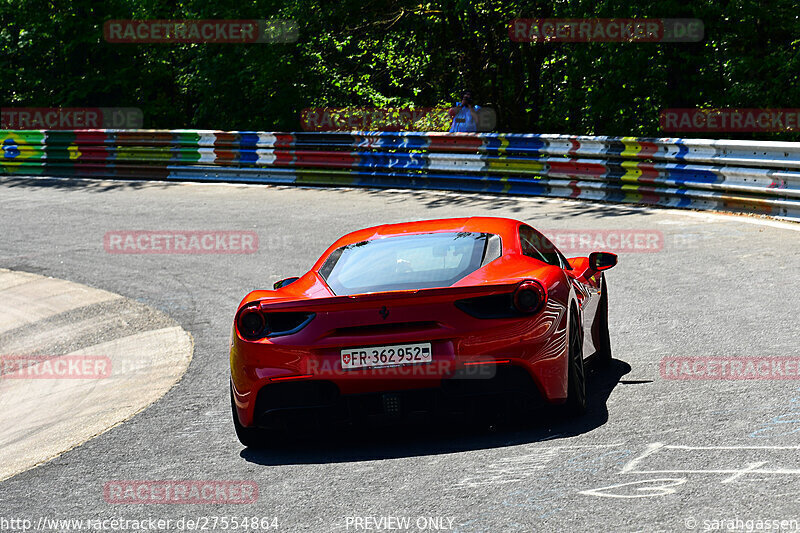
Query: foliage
[[401, 53]]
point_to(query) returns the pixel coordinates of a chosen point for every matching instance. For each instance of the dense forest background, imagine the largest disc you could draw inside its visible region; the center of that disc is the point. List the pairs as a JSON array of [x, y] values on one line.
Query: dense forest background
[[398, 53]]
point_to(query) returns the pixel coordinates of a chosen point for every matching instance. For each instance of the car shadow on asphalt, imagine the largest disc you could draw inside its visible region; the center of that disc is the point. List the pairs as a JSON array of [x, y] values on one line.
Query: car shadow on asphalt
[[412, 440]]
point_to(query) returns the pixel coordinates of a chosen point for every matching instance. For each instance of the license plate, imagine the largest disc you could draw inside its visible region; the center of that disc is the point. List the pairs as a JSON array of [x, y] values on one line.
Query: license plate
[[378, 356]]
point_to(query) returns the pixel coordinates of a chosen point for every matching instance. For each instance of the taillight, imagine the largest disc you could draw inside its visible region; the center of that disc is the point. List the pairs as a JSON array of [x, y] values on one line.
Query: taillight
[[529, 297], [254, 324]]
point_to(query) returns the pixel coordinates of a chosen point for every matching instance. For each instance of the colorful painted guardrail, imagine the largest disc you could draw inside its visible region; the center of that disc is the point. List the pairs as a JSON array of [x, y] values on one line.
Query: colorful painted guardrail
[[741, 176]]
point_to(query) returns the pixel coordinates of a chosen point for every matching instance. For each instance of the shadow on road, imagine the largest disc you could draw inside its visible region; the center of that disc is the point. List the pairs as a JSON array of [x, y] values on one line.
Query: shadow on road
[[429, 198], [84, 184], [420, 440], [567, 207]]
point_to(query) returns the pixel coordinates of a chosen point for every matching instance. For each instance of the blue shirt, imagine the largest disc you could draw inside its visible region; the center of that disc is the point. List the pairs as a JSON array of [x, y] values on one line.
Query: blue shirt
[[463, 121]]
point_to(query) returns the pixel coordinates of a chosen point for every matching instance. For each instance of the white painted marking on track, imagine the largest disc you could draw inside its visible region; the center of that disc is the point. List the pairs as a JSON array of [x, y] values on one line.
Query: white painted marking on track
[[661, 484], [515, 468], [651, 449], [752, 467]]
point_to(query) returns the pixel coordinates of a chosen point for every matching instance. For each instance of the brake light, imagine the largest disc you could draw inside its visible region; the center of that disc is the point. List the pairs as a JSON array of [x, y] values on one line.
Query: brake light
[[253, 323], [529, 297]]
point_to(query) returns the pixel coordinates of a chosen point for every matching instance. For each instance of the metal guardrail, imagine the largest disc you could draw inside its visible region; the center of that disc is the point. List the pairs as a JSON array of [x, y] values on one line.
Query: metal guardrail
[[739, 176]]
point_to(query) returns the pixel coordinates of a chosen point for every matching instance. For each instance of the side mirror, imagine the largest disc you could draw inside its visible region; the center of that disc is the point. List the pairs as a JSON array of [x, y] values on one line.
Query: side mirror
[[599, 261], [284, 282]]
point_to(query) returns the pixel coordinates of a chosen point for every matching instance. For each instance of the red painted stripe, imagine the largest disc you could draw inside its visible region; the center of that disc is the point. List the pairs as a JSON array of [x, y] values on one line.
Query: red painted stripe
[[647, 151], [326, 159], [649, 172], [576, 145], [284, 140], [451, 143], [576, 191], [573, 167]]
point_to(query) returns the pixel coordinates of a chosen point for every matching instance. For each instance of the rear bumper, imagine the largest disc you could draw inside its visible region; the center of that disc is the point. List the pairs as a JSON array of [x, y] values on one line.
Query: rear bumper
[[320, 403], [536, 346]]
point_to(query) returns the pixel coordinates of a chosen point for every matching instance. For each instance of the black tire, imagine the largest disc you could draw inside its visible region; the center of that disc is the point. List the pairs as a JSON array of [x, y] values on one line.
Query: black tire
[[250, 437], [603, 353], [576, 375]]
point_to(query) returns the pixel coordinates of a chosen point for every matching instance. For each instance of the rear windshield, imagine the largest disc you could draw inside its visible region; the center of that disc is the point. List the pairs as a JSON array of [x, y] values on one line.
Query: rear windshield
[[407, 262]]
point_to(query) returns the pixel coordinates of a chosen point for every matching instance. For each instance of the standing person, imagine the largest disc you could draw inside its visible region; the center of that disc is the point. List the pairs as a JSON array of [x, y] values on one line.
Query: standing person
[[464, 114]]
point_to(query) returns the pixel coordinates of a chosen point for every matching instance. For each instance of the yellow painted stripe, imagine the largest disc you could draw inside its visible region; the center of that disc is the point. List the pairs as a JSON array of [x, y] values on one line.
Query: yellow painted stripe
[[506, 185], [318, 177], [503, 145], [632, 148], [521, 166], [140, 153], [632, 171]]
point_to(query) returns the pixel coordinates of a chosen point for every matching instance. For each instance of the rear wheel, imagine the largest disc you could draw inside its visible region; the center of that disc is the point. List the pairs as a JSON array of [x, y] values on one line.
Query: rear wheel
[[250, 437], [576, 377], [604, 339]]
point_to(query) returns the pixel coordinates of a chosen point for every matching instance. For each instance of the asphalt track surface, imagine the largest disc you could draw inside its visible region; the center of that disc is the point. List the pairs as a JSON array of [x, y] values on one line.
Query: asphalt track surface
[[652, 454]]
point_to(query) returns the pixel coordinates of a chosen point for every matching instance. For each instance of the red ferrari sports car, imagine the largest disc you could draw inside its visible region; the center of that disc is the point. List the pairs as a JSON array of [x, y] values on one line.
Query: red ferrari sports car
[[401, 320]]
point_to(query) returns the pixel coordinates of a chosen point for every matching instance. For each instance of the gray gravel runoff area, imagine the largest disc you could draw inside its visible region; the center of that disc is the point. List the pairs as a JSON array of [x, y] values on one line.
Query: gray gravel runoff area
[[659, 450]]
